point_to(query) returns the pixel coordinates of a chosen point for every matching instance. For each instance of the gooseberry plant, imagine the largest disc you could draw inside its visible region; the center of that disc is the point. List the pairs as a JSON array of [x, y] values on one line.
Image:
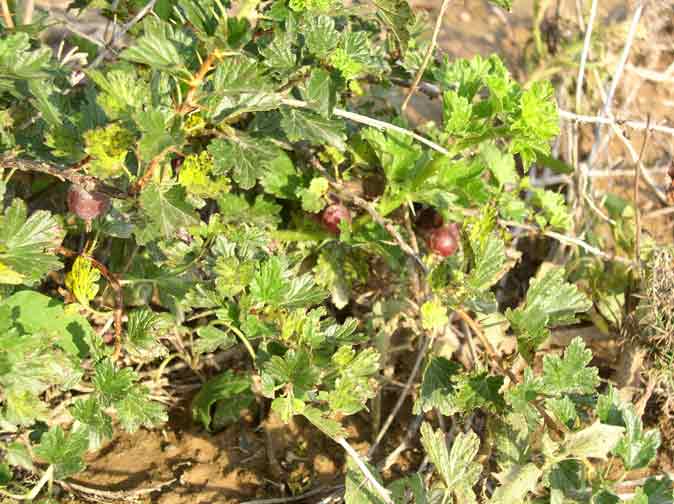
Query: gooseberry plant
[[238, 176]]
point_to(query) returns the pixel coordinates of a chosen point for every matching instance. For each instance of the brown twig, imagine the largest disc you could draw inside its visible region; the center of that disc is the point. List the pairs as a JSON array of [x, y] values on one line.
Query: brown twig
[[428, 55], [70, 174], [6, 14], [116, 286]]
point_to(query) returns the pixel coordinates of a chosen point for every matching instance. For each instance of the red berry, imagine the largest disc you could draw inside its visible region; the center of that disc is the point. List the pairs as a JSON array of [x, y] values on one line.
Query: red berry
[[333, 215], [86, 205], [428, 218], [444, 240]]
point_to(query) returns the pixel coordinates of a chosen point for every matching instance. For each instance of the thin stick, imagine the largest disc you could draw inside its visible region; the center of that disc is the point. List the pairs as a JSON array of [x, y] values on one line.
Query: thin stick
[[428, 55], [28, 9], [70, 174], [6, 15], [606, 111], [375, 123], [632, 124], [383, 493], [295, 498], [645, 175], [107, 494], [101, 55], [637, 209], [401, 398], [584, 54]]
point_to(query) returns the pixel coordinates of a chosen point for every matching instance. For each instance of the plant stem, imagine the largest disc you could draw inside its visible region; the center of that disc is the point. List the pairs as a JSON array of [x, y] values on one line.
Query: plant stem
[[383, 493]]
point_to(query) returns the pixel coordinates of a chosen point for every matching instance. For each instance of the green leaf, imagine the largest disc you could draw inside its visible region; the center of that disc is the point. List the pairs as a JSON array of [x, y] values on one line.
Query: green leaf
[[503, 4], [63, 451], [358, 489], [137, 410], [211, 339], [303, 125], [659, 491], [230, 392], [595, 441], [434, 314], [18, 61], [500, 164], [294, 368], [82, 280], [167, 209], [398, 154], [156, 51], [550, 301], [457, 113], [112, 384], [637, 448], [320, 35], [553, 210], [489, 265], [319, 92], [457, 468], [5, 474], [141, 340], [313, 197], [247, 157], [397, 15], [279, 53], [570, 373], [437, 386], [239, 74], [92, 420], [123, 92], [158, 132], [329, 427], [26, 244], [516, 483], [37, 313], [536, 123]]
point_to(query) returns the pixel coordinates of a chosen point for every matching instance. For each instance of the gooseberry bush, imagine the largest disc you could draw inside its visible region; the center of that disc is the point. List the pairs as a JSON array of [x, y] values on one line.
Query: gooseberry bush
[[240, 176]]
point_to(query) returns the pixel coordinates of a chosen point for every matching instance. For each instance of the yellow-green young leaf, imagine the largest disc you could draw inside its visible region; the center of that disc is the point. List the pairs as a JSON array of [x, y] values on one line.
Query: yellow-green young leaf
[[82, 280], [9, 276], [196, 176], [108, 147], [433, 314], [594, 441]]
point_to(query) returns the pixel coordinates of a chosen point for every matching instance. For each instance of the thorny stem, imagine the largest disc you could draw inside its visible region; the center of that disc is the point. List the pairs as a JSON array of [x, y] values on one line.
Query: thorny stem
[[149, 172], [197, 80], [428, 55]]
